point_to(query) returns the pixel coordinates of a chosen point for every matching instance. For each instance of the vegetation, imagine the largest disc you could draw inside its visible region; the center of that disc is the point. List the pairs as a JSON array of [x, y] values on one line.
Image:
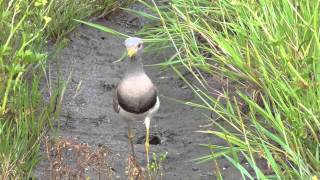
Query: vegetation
[[156, 169], [269, 51], [25, 27]]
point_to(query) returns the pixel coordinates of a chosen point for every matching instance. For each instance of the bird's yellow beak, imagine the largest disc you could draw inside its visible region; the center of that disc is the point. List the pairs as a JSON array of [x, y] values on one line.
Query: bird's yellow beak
[[131, 51]]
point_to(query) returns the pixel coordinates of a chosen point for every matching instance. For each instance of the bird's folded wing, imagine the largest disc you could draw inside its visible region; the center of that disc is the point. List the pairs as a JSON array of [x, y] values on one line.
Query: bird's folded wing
[[115, 100]]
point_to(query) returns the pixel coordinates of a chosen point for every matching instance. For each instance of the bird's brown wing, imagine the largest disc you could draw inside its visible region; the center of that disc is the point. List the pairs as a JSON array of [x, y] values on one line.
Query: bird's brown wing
[[115, 99]]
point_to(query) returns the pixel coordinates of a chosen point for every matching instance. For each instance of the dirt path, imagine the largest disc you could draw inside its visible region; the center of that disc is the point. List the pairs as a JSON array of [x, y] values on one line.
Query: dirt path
[[88, 114]]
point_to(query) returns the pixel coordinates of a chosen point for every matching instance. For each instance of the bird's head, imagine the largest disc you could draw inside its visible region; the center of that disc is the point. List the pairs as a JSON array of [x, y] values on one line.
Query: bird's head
[[134, 46]]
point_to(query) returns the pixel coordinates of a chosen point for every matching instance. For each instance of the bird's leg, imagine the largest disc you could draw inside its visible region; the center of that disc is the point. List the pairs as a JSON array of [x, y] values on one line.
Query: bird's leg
[[147, 124], [130, 138]]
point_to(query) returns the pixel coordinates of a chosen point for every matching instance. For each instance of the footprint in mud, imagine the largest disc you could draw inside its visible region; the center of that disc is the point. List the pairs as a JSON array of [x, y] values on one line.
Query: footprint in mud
[[107, 87], [153, 140], [157, 137]]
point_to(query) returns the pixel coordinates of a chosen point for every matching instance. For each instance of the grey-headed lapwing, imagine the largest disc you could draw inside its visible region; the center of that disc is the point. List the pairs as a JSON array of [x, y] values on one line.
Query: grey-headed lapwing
[[136, 97]]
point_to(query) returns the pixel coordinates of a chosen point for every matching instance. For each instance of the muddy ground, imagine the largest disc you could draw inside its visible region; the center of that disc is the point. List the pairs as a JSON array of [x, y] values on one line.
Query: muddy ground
[[87, 114]]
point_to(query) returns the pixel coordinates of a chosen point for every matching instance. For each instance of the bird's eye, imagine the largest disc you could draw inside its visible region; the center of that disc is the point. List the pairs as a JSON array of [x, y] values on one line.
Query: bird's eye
[[139, 45]]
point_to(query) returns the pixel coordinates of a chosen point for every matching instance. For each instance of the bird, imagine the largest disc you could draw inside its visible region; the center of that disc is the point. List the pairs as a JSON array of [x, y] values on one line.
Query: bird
[[135, 96]]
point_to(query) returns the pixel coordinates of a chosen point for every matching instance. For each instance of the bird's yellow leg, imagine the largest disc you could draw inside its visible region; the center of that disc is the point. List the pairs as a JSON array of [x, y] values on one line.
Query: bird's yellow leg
[[147, 145], [147, 123], [130, 137]]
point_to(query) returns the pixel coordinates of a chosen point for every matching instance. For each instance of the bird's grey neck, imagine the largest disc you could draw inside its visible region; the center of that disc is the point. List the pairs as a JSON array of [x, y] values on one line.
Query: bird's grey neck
[[134, 65]]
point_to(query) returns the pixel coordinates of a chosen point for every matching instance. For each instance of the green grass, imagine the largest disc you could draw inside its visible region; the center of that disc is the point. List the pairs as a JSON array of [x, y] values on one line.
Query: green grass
[[269, 50], [63, 13], [26, 27]]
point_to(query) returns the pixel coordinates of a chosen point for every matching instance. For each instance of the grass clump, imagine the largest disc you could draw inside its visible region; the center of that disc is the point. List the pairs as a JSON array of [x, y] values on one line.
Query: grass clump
[[269, 50], [21, 121], [64, 12], [25, 27]]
